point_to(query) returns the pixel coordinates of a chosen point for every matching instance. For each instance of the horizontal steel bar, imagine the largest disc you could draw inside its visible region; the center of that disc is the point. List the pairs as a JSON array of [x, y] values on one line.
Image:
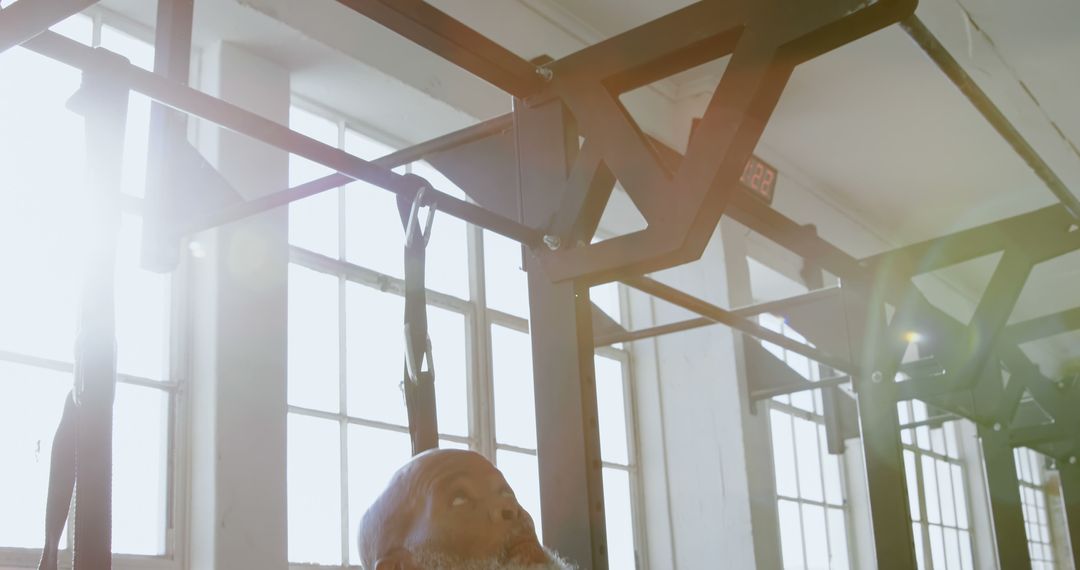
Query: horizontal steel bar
[[720, 315], [982, 103], [699, 322], [245, 122], [808, 385], [23, 20]]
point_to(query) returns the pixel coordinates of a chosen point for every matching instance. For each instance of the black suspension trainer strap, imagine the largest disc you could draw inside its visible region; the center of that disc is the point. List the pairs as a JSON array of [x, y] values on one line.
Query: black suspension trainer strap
[[81, 456], [419, 382]]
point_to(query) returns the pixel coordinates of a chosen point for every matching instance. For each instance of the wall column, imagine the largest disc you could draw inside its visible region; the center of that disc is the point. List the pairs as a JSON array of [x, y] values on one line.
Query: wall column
[[238, 392]]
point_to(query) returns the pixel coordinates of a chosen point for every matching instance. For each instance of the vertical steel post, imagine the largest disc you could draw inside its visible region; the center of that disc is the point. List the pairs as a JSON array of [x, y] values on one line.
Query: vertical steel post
[[567, 426], [1069, 470], [876, 387], [1006, 509], [103, 103], [168, 131]]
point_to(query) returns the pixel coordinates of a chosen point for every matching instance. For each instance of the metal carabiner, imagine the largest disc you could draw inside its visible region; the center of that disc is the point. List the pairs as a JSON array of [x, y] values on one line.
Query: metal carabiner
[[414, 215]]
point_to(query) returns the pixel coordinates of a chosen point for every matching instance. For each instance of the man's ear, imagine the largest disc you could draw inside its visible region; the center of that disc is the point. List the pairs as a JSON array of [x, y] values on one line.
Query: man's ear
[[398, 559]]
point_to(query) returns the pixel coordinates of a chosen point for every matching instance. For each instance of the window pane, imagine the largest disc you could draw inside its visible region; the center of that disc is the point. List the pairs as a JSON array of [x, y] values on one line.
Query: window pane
[[809, 460], [945, 492], [314, 490], [920, 559], [41, 217], [791, 542], [937, 440], [912, 485], [952, 548], [619, 518], [951, 440], [965, 550], [142, 309], [783, 454], [930, 487], [815, 539], [31, 402], [448, 257], [959, 496], [831, 464], [313, 221], [523, 475], [375, 345], [374, 455], [140, 453], [374, 237], [937, 547], [606, 297], [447, 331], [313, 339], [506, 285], [838, 548], [515, 410], [612, 410]]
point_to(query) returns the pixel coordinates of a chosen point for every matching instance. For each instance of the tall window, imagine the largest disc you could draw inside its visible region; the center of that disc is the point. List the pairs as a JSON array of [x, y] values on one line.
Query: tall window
[[809, 480], [1029, 469], [347, 421], [936, 492], [42, 193]]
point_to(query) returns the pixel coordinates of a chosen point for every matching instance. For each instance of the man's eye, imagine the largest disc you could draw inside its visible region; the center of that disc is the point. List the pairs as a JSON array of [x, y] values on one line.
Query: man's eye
[[459, 500], [507, 493]]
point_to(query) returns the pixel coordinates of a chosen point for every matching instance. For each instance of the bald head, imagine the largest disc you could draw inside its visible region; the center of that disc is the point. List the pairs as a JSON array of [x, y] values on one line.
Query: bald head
[[449, 508]]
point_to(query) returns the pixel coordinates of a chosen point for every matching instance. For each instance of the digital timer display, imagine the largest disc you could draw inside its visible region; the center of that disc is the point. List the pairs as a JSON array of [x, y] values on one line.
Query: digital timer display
[[759, 178]]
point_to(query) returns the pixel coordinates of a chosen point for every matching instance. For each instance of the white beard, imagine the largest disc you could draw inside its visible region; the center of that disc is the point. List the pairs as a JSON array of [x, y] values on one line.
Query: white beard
[[439, 561]]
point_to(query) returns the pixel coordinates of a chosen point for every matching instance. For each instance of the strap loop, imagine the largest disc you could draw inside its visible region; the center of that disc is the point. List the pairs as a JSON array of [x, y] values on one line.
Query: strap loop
[[412, 228]]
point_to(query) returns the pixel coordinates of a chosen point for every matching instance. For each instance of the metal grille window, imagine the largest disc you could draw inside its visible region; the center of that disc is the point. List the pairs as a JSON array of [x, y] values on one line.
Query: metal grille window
[[1029, 469], [936, 491], [347, 420], [41, 204]]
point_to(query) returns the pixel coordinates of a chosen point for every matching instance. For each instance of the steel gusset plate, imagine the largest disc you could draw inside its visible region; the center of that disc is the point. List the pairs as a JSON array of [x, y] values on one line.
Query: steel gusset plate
[[682, 206]]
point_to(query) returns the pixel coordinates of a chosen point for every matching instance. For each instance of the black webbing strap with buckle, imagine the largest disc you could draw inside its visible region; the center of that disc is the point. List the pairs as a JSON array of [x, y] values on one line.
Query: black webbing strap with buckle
[[419, 382]]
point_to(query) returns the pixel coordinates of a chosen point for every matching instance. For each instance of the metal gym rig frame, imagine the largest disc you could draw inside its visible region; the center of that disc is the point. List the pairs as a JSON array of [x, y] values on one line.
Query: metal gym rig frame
[[530, 180]]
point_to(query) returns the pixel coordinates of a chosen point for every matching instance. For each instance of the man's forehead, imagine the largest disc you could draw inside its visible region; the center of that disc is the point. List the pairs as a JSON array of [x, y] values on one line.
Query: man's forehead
[[448, 465]]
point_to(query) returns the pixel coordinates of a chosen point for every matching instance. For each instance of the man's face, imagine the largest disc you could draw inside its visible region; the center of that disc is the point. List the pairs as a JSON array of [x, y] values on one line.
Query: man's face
[[470, 513]]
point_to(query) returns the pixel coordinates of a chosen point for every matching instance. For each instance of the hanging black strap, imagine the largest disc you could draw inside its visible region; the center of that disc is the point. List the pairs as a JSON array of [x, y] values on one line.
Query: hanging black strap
[[61, 483], [419, 381], [82, 449]]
